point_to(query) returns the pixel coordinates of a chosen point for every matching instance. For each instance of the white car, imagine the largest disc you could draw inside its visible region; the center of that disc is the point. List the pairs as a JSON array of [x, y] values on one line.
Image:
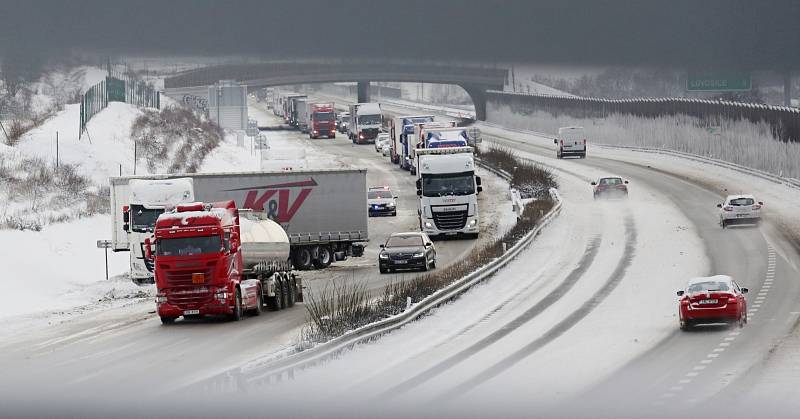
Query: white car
[[571, 141], [739, 209], [386, 150], [382, 139], [381, 201]]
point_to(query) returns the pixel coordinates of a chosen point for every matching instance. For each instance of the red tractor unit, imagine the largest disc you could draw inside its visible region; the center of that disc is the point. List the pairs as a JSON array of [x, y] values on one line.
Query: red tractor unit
[[210, 261], [321, 120]]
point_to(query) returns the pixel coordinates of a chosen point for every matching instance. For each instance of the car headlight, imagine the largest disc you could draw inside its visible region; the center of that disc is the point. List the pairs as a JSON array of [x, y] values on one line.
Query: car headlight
[[419, 255], [390, 204], [428, 224], [473, 223], [383, 256]]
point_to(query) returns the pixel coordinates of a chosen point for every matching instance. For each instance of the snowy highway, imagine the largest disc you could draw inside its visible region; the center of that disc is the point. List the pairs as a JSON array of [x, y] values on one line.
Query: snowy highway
[[90, 352], [589, 312]]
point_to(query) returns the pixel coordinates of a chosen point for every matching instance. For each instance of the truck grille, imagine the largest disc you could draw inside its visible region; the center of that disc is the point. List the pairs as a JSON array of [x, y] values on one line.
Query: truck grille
[[454, 220], [189, 297], [179, 277]]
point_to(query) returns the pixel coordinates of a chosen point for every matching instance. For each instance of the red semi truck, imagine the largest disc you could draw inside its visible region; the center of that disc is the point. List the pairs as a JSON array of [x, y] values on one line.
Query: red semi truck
[[321, 120], [210, 261]]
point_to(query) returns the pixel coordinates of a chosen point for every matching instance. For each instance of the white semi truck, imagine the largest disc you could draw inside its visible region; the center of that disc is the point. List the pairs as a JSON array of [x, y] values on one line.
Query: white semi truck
[[448, 190], [366, 120], [144, 201]]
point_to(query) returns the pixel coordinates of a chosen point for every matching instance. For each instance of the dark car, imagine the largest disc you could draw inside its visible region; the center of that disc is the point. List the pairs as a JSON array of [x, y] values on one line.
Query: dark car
[[407, 251], [611, 187]]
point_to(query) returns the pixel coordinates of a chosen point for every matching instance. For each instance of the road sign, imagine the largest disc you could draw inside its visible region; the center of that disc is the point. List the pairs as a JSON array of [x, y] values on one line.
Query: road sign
[[104, 244], [718, 82]]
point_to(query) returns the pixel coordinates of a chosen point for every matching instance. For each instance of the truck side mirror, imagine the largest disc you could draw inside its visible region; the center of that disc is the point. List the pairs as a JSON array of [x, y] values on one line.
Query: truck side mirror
[[594, 183], [555, 141], [419, 184], [148, 249], [419, 192], [719, 205], [126, 218], [480, 189], [478, 180], [680, 293]]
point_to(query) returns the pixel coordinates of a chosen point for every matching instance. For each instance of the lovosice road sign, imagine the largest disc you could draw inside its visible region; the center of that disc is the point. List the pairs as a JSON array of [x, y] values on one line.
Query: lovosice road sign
[[719, 82]]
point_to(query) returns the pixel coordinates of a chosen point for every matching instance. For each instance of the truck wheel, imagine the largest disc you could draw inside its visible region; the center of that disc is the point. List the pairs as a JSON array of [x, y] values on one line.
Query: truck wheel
[[303, 259], [259, 303], [291, 293], [167, 320], [237, 306], [276, 303], [324, 257]]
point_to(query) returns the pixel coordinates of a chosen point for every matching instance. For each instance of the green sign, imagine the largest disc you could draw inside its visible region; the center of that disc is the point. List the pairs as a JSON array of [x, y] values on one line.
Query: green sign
[[721, 82]]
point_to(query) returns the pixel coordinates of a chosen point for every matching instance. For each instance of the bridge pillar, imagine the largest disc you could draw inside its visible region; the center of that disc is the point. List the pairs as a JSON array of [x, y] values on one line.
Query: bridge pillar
[[478, 95], [363, 92]]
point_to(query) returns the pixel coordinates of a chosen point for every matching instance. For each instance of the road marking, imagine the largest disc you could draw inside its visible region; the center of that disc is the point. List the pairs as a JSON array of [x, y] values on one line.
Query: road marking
[[730, 338], [685, 381], [699, 367], [706, 361], [712, 356], [676, 388], [667, 395], [723, 344], [719, 349], [692, 374]]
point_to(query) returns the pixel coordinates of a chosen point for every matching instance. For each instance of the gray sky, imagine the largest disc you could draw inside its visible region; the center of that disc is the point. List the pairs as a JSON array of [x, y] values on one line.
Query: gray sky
[[762, 34]]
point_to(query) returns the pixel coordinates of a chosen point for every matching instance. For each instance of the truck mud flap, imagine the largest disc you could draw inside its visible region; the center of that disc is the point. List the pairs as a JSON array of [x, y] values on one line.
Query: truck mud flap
[[339, 256]]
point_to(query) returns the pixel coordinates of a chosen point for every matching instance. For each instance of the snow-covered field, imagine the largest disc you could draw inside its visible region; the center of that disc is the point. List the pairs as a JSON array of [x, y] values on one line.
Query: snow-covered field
[[740, 142]]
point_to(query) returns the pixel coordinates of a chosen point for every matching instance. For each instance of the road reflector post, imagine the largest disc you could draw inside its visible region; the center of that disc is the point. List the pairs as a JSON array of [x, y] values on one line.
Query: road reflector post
[[105, 244]]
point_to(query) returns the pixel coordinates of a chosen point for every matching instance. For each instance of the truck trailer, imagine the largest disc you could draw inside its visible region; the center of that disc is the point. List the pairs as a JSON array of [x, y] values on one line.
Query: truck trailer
[[324, 212], [400, 128], [210, 259]]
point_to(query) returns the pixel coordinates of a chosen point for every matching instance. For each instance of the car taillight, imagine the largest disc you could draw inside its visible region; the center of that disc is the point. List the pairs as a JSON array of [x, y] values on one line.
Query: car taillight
[[731, 300], [584, 142], [756, 207], [727, 208]]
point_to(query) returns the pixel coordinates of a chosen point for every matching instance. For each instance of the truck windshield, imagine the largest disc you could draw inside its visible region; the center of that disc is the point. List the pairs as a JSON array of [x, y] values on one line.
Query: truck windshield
[[144, 219], [369, 119], [448, 184], [323, 116], [187, 246]]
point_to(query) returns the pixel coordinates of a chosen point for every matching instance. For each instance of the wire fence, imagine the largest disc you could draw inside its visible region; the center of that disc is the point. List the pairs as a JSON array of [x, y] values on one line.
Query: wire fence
[[783, 121], [117, 87]]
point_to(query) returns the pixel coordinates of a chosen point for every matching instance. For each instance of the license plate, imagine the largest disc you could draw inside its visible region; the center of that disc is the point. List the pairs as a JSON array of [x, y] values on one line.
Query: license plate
[[190, 312], [742, 215], [712, 301], [401, 262]]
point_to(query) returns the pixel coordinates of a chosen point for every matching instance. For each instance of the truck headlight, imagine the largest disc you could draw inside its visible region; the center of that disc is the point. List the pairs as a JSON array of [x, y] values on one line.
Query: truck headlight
[[473, 223], [221, 295], [161, 298], [383, 256], [428, 224]]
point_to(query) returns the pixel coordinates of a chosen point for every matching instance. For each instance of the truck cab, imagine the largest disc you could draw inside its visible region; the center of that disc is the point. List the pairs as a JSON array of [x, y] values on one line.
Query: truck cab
[[321, 120], [147, 199], [448, 192], [366, 120]]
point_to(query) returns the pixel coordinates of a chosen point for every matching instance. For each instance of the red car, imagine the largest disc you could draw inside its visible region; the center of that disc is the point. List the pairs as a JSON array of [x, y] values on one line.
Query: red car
[[715, 299], [611, 186]]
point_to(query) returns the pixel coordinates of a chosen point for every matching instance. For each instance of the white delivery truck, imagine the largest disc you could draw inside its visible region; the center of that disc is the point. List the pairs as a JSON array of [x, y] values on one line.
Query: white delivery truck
[[366, 120], [571, 141], [448, 192], [135, 213], [301, 114]]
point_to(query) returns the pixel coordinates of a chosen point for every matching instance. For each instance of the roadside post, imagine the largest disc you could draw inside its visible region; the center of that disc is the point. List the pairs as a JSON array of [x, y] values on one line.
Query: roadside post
[[105, 244]]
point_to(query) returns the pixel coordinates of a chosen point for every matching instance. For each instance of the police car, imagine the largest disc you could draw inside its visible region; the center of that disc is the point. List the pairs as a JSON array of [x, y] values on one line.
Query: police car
[[381, 201]]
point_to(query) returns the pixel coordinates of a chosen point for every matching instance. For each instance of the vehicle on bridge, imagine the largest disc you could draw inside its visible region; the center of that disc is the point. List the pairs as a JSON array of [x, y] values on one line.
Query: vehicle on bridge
[[412, 250], [321, 120], [709, 300], [571, 141], [400, 128], [210, 259], [300, 201], [448, 192], [739, 209], [366, 120], [135, 214]]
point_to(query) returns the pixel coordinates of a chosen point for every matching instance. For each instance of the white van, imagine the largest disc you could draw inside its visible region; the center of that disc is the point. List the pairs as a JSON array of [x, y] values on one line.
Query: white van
[[571, 141]]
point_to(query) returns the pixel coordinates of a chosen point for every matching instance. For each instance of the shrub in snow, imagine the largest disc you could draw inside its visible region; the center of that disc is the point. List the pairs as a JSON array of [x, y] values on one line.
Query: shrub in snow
[[175, 139]]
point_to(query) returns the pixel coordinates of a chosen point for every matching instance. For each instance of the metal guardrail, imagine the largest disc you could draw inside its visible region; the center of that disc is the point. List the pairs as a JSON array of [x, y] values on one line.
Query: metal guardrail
[[268, 371]]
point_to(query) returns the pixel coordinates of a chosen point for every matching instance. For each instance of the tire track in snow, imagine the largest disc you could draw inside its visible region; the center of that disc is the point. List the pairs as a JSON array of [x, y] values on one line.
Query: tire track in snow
[[592, 249], [559, 329]]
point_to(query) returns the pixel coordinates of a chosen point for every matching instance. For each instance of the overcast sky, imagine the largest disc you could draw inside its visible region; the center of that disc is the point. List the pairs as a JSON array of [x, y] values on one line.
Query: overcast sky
[[763, 34]]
